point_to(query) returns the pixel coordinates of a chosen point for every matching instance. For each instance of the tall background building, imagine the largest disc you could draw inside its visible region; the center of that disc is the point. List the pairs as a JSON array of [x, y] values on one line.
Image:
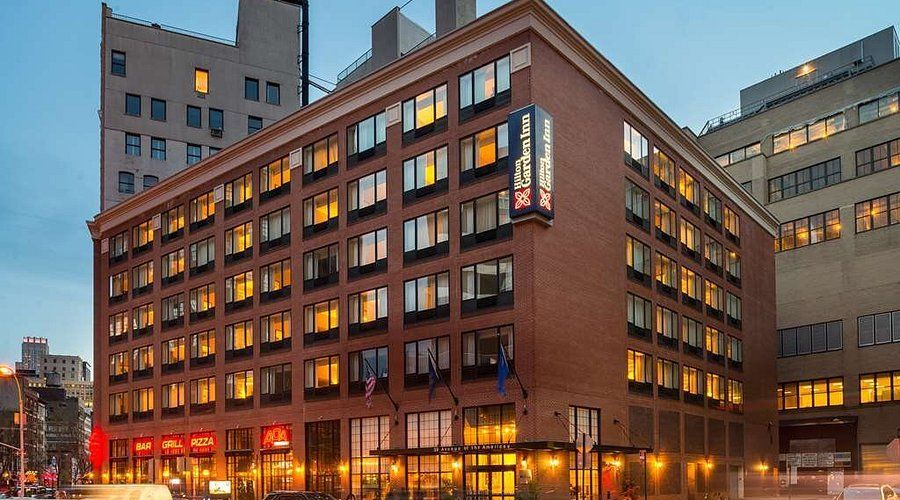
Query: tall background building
[[170, 97], [40, 368], [819, 145]]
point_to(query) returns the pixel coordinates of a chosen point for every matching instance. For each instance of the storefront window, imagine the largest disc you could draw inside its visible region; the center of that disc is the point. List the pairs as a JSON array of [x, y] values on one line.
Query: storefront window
[[323, 457]]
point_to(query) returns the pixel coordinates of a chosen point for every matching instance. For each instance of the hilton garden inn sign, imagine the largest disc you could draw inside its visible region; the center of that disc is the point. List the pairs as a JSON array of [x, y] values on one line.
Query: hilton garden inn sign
[[531, 150]]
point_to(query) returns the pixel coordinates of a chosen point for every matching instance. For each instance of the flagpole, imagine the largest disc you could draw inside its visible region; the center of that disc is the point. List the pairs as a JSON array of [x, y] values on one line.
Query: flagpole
[[380, 384], [513, 370], [441, 377]]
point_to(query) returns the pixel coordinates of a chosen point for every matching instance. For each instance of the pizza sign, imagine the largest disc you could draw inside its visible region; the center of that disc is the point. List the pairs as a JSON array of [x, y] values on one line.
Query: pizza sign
[[203, 442], [172, 445], [142, 446], [531, 150], [276, 436]]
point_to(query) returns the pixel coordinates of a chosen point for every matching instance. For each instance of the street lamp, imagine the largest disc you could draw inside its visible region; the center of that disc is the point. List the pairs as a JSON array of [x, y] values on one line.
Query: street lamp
[[6, 371]]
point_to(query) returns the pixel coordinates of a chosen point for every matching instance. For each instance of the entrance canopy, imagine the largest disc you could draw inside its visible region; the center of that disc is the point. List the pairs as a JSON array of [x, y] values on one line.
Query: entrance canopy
[[477, 448]]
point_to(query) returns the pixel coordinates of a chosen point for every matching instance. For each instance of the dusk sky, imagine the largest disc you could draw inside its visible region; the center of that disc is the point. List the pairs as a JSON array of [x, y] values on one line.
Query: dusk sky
[[691, 58]]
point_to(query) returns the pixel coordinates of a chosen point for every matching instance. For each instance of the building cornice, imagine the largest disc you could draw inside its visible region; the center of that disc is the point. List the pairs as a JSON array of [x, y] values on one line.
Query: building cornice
[[504, 22]]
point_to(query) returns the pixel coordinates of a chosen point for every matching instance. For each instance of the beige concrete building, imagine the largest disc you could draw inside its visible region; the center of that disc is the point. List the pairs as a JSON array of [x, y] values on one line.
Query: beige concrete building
[[170, 97], [819, 144]]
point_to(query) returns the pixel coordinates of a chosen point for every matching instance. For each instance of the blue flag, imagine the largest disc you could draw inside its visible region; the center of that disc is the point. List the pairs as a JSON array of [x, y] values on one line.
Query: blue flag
[[502, 371], [433, 377]]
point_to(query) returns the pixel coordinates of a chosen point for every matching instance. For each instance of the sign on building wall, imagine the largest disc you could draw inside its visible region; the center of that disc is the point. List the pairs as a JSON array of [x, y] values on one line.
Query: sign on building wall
[[203, 443], [275, 436], [142, 447], [172, 445], [531, 151]]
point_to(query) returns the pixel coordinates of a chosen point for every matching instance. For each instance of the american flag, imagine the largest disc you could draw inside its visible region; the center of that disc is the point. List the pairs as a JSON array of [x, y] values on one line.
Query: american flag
[[370, 389]]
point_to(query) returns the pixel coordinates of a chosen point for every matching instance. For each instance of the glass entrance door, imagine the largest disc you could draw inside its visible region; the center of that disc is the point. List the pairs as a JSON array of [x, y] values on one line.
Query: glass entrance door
[[490, 476]]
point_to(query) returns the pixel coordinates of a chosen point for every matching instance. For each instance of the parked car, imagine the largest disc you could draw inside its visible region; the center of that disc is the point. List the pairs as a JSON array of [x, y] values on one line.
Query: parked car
[[298, 495], [868, 492]]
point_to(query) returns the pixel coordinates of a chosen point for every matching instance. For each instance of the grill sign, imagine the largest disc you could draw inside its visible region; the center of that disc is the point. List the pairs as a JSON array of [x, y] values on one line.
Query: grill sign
[[172, 445], [276, 436], [142, 447], [203, 443], [531, 148]]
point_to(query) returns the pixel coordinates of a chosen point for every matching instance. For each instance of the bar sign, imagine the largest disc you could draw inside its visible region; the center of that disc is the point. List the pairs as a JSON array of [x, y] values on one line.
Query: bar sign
[[531, 150]]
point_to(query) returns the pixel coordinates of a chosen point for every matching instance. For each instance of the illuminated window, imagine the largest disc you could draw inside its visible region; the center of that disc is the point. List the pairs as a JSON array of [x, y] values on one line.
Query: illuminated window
[[320, 212], [142, 359], [736, 394], [877, 213], [365, 192], [714, 298], [142, 236], [640, 315], [426, 293], [667, 374], [142, 318], [203, 391], [637, 258], [238, 336], [805, 180], [368, 306], [239, 385], [427, 169], [667, 323], [274, 178], [203, 299], [878, 158], [203, 344], [275, 327], [202, 209], [640, 367], [239, 287], [715, 342], [690, 238], [369, 474], [425, 232], [321, 157], [118, 326], [172, 222], [664, 219], [275, 277], [809, 230], [321, 318], [487, 83], [636, 150], [365, 137], [692, 380], [739, 154], [490, 424], [322, 373], [142, 400], [691, 284], [812, 394], [421, 112], [802, 134], [715, 387], [238, 193], [201, 81], [118, 365], [689, 189], [367, 252], [239, 239], [663, 171], [732, 225], [118, 285], [486, 150], [172, 396]]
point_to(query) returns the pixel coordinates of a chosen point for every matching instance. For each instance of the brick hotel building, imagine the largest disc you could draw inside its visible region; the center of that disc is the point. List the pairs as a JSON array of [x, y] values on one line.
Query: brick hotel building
[[241, 304]]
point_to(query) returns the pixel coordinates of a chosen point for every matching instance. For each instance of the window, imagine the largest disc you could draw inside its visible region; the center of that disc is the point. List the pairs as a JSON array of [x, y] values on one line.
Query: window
[[666, 375], [427, 296], [666, 228], [276, 280], [667, 326], [213, 150], [370, 362], [320, 212], [748, 186], [691, 286], [132, 144], [201, 81], [368, 307], [637, 205], [273, 93], [739, 154], [805, 180], [157, 109], [238, 339], [118, 326], [142, 319], [689, 189], [881, 328], [118, 285], [203, 254], [369, 474], [194, 154], [366, 195], [732, 225], [692, 380], [239, 288], [132, 105], [640, 367], [426, 235], [118, 366], [173, 351], [636, 150], [487, 284], [715, 388], [485, 218], [428, 170], [322, 373], [733, 309], [481, 351], [367, 137], [126, 182], [484, 152], [142, 401], [715, 344], [878, 158], [878, 108], [321, 158], [157, 152], [194, 118], [238, 241], [251, 89], [367, 253], [416, 358], [254, 124], [239, 385], [484, 87], [713, 252], [666, 275], [202, 209], [712, 207], [421, 112], [640, 315], [320, 266], [637, 259], [663, 171], [238, 194], [275, 228], [117, 63], [714, 298], [203, 344], [736, 395], [489, 425], [812, 394], [118, 245], [735, 352], [275, 382], [203, 391], [800, 135], [142, 360], [810, 339], [274, 178], [274, 329], [879, 387], [203, 300], [216, 119], [734, 267], [878, 212], [809, 230], [172, 310], [428, 429]]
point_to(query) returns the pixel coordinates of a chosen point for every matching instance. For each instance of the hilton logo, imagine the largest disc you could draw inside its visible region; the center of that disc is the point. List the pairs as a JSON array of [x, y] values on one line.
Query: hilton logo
[[530, 132]]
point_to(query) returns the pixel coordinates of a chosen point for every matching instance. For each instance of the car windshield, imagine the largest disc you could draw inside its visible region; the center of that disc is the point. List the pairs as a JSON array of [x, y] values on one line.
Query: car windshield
[[862, 494]]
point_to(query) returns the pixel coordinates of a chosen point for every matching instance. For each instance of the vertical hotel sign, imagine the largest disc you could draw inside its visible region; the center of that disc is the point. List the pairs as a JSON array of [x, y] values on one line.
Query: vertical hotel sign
[[531, 150]]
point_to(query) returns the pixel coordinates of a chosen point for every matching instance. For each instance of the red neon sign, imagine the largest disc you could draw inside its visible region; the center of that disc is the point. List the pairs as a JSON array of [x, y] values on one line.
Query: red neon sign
[[203, 442], [142, 446], [276, 436], [172, 444]]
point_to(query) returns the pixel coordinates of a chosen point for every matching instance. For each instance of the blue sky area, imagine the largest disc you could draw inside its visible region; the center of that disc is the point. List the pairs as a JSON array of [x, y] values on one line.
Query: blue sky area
[[691, 57]]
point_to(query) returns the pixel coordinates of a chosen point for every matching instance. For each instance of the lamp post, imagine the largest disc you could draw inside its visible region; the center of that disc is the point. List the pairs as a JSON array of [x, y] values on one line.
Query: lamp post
[[6, 371]]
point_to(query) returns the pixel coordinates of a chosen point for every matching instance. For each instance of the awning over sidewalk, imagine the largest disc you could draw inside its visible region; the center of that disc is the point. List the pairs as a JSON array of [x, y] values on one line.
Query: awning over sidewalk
[[477, 448]]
